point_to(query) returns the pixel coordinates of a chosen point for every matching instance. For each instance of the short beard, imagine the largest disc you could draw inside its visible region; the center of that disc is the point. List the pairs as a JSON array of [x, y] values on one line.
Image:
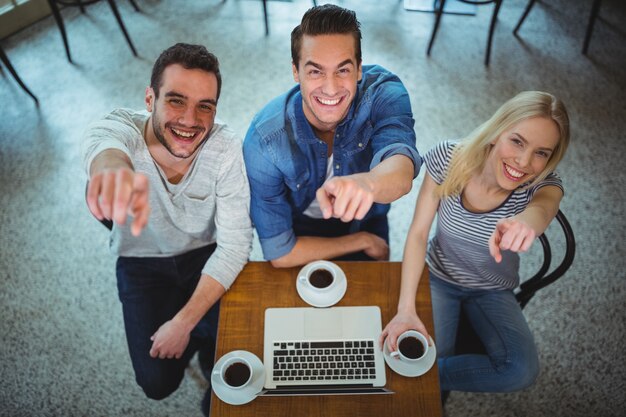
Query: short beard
[[161, 138]]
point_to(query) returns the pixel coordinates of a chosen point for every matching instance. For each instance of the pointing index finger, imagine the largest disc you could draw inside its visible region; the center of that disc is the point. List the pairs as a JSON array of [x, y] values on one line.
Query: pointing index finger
[[494, 246], [325, 202], [93, 194]]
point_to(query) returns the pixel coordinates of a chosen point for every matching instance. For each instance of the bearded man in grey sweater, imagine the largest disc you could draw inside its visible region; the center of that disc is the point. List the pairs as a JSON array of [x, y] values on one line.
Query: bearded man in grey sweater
[[172, 184]]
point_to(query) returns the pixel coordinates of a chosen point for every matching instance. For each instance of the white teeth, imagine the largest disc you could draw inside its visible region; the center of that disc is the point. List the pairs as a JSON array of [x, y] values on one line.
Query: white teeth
[[183, 134], [513, 172], [329, 102]]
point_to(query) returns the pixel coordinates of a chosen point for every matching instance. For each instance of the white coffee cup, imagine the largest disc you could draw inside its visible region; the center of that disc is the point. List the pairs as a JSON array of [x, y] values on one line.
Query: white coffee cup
[[319, 277], [412, 346], [236, 372]]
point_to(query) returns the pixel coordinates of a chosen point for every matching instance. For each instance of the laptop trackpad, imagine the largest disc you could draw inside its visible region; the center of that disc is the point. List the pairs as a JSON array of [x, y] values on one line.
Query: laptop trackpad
[[320, 323]]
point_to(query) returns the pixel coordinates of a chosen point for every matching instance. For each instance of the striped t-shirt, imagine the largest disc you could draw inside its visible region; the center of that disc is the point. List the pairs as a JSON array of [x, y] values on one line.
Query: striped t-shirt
[[459, 251]]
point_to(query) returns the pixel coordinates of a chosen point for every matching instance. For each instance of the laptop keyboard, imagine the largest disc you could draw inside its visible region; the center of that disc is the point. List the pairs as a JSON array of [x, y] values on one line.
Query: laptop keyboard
[[324, 361]]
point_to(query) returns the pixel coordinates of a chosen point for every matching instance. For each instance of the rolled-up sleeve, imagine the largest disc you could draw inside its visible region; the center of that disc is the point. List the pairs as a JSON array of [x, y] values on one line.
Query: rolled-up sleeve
[[232, 220], [393, 122]]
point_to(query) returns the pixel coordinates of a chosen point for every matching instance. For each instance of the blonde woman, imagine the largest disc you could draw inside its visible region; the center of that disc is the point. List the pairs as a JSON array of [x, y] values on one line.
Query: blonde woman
[[493, 193]]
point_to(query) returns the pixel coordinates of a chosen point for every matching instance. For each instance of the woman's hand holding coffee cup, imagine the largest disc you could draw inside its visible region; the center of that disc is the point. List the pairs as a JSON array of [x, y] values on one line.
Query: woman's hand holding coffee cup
[[412, 346], [401, 323]]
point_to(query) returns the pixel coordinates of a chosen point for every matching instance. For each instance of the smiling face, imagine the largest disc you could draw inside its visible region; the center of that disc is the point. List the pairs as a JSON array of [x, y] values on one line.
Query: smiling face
[[521, 153], [328, 73], [184, 113]]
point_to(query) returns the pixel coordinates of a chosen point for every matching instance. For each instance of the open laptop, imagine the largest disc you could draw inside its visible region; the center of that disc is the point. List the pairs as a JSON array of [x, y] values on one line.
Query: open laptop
[[329, 351]]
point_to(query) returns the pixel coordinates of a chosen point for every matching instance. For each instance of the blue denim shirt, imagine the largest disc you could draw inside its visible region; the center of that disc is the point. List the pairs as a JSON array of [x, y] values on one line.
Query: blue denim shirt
[[286, 162]]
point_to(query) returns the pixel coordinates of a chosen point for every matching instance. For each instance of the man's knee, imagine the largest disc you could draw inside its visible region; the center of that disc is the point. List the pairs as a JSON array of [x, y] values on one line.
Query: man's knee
[[158, 388]]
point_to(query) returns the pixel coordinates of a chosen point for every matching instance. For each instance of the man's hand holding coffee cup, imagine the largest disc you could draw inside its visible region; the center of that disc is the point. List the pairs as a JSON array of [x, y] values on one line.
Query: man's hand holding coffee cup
[[401, 323]]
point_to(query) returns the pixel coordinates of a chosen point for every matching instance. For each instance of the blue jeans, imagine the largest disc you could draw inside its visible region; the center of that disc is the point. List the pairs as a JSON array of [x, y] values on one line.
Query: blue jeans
[[511, 362], [152, 291]]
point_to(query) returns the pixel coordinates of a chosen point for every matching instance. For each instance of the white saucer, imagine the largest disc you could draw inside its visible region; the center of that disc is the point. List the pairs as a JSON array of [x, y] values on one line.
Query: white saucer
[[420, 367], [322, 298], [241, 395]]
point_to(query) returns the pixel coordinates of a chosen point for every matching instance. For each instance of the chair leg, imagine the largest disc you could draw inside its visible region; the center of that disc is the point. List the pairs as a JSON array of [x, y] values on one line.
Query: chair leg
[[59, 19], [438, 14], [121, 23], [81, 6], [314, 3], [7, 63], [494, 19], [595, 9], [134, 5], [267, 27], [529, 6]]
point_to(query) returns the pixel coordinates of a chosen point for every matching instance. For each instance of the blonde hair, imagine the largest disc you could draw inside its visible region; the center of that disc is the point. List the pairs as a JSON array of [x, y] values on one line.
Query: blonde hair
[[470, 154]]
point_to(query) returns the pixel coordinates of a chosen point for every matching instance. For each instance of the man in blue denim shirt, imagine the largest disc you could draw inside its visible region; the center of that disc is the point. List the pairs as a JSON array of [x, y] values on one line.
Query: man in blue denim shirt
[[325, 159]]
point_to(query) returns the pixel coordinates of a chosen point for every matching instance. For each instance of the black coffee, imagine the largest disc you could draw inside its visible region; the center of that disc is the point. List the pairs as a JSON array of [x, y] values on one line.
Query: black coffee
[[411, 347], [237, 374], [321, 278]]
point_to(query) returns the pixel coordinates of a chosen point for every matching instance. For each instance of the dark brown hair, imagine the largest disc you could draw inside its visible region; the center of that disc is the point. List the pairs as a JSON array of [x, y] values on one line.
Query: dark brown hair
[[189, 57], [327, 19]]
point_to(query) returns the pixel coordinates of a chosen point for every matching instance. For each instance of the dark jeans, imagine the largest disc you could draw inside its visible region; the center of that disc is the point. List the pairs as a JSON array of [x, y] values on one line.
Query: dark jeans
[[307, 226], [152, 291]]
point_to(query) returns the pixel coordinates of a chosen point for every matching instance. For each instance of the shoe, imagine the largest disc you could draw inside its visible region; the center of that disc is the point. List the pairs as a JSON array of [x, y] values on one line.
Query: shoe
[[205, 405], [206, 358]]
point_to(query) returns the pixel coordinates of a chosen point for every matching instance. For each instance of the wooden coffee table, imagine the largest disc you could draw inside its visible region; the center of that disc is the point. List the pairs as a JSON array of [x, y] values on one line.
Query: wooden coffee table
[[260, 286]]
